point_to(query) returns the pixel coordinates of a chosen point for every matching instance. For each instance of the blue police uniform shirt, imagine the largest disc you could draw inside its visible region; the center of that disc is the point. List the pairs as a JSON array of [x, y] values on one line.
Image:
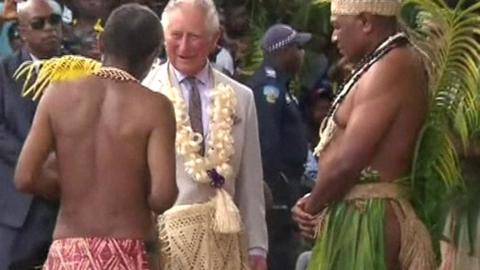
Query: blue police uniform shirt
[[282, 131]]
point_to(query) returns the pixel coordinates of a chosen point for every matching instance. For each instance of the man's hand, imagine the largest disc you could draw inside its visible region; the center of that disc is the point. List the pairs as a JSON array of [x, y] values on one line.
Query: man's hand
[[306, 222], [257, 262], [9, 10], [449, 252]]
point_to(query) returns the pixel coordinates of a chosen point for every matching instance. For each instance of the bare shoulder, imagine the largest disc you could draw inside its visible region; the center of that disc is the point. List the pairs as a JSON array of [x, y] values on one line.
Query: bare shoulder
[[154, 98], [403, 59], [400, 72], [157, 104], [58, 92]]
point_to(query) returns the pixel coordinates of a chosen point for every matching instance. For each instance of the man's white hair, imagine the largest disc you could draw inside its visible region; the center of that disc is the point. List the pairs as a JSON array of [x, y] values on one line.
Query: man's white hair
[[206, 6]]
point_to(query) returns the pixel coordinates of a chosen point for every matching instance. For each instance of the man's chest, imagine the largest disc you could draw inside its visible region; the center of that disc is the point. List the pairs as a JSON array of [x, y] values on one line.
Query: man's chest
[[345, 109]]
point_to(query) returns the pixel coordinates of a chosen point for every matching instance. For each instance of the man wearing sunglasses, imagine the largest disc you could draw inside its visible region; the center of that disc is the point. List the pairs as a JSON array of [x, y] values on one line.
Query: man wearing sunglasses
[[26, 222]]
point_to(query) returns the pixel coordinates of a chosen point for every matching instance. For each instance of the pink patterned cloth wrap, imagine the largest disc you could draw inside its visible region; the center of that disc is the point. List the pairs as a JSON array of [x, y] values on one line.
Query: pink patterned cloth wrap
[[97, 254]]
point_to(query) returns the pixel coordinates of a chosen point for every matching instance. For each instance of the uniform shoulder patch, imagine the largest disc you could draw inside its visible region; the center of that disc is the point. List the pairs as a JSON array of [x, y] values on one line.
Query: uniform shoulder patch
[[270, 72], [271, 93]]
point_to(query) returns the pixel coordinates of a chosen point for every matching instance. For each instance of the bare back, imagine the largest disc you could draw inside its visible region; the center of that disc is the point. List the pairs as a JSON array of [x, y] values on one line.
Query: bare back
[[102, 130], [380, 120]]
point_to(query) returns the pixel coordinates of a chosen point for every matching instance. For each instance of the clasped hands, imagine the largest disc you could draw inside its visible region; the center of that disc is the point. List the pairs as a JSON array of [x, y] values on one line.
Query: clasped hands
[[306, 222]]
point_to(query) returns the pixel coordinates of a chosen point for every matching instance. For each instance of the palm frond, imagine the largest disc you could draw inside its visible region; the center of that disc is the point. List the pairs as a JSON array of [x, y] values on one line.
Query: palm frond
[[450, 41], [254, 55], [449, 38]]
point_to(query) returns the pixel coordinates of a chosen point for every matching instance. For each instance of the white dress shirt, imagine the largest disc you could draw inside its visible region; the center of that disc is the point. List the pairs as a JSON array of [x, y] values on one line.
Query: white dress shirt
[[204, 83]]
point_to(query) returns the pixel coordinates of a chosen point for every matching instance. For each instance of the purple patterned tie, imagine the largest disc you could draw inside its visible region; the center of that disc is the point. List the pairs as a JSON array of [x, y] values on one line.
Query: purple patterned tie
[[195, 110]]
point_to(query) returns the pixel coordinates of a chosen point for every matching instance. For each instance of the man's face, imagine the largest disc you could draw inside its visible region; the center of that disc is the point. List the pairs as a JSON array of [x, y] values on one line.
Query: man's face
[[292, 58], [237, 23], [348, 36], [41, 29], [87, 43], [320, 110], [93, 8], [188, 41]]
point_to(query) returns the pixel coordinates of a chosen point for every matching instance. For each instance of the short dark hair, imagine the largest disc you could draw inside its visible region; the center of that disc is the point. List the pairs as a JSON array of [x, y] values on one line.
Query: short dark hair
[[133, 32]]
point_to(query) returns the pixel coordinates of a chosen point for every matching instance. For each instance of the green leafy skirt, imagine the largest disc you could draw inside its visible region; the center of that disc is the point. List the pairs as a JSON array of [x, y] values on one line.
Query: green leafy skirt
[[352, 237]]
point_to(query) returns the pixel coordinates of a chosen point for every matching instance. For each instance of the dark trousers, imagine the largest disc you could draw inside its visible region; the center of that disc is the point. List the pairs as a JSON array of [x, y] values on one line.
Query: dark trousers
[[29, 244], [282, 239]]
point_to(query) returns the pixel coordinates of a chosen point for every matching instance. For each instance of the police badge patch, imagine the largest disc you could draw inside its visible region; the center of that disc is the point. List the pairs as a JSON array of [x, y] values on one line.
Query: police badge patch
[[271, 93]]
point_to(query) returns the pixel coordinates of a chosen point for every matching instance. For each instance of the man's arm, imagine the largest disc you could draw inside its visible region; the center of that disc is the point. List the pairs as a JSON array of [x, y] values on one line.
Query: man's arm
[[375, 107], [161, 158], [9, 11], [30, 175], [249, 190]]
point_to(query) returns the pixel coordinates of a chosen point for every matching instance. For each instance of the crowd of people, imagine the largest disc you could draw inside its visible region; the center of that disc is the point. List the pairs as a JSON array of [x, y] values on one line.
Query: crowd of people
[[138, 147]]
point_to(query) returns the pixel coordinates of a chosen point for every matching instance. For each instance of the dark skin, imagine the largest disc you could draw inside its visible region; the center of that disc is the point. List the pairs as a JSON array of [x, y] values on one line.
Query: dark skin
[[42, 43], [378, 123], [88, 11], [116, 158], [289, 59]]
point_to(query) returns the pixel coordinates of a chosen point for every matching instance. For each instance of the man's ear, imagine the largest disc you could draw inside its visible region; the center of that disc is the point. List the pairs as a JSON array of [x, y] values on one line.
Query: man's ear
[[366, 22], [215, 38]]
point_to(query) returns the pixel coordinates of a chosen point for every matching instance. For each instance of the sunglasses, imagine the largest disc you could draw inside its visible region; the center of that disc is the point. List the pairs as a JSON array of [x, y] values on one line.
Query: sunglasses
[[39, 22]]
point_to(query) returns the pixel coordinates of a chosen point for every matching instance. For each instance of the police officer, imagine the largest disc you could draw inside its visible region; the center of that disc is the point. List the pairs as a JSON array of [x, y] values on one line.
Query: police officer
[[282, 135]]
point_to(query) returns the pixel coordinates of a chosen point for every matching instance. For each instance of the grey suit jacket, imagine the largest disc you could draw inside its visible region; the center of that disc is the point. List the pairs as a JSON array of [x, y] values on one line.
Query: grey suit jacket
[[247, 190]]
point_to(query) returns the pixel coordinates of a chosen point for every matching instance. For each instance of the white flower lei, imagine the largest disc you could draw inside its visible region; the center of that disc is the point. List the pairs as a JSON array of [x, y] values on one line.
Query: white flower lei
[[219, 147]]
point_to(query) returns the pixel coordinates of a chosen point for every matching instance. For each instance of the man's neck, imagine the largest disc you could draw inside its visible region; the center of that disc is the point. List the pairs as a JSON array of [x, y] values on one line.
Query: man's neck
[[86, 22], [118, 63], [38, 56], [279, 67], [378, 39]]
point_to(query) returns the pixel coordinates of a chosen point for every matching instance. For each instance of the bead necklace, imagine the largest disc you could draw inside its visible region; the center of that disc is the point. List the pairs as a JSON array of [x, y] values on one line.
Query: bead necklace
[[114, 74], [328, 124]]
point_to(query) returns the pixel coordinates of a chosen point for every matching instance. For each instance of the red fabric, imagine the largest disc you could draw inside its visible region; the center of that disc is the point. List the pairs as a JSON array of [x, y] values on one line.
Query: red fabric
[[97, 254]]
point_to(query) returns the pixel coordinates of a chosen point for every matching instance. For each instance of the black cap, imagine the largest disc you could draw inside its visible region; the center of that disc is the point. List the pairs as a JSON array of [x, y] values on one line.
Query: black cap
[[281, 35]]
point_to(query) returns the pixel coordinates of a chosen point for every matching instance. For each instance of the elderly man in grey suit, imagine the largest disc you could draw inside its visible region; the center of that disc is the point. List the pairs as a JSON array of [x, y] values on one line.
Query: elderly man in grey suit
[[218, 221]]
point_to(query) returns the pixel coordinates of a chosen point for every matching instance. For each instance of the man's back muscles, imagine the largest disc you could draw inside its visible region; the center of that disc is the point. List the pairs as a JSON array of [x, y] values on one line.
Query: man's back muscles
[[112, 141]]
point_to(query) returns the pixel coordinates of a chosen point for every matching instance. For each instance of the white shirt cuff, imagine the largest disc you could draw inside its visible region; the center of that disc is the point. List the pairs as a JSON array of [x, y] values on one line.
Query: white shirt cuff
[[257, 251]]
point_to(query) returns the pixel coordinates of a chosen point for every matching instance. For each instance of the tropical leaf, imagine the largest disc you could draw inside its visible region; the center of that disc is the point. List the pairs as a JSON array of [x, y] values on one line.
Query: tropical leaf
[[449, 38], [254, 56]]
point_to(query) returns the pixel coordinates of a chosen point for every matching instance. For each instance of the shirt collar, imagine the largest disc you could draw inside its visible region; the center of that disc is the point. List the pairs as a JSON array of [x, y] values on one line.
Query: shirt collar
[[201, 76], [280, 76], [34, 58]]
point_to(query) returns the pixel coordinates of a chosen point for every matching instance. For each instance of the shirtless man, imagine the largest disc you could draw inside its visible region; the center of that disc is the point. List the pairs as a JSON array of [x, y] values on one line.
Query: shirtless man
[[366, 145], [114, 142]]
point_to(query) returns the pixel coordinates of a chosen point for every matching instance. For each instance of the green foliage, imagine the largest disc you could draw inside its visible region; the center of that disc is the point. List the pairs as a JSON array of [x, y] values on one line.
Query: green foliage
[[449, 38], [303, 15], [447, 32]]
